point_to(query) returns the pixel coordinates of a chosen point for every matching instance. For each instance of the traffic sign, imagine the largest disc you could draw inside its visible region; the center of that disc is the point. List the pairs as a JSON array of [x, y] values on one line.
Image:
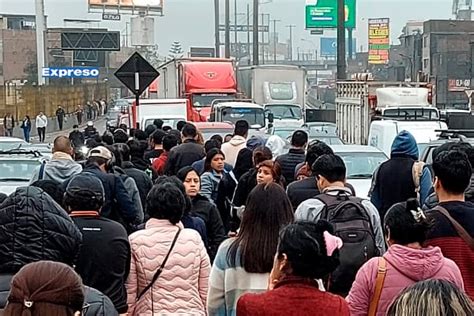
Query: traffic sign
[[317, 32], [136, 74]]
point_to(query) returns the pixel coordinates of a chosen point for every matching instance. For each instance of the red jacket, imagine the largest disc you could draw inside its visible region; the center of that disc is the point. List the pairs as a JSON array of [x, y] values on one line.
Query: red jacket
[[159, 163], [293, 296]]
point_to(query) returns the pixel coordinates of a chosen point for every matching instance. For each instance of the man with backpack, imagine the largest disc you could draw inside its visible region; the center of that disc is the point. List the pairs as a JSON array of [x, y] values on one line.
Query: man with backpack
[[401, 177], [356, 221]]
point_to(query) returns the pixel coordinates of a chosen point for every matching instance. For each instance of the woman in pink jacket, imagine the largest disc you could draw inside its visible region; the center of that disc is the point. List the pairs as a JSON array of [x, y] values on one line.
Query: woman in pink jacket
[[406, 260], [179, 253]]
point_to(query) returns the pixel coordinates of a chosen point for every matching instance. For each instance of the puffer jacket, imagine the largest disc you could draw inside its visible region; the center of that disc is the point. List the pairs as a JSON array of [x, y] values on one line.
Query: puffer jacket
[[33, 227], [288, 163], [405, 266], [182, 286], [142, 180]]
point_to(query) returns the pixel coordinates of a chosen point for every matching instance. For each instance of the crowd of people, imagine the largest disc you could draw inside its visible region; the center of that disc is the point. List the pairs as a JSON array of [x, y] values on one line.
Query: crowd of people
[[159, 221]]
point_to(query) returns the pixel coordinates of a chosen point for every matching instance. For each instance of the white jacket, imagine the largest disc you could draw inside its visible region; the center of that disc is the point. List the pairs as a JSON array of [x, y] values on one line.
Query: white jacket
[[231, 149], [41, 121]]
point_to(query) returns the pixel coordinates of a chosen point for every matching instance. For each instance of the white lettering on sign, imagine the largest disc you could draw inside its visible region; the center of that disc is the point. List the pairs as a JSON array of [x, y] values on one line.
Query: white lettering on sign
[[70, 72]]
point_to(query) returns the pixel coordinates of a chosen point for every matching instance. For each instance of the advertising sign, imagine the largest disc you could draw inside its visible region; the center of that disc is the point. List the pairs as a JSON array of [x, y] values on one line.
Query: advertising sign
[[379, 41], [459, 85], [329, 46], [135, 5], [323, 14], [70, 72]]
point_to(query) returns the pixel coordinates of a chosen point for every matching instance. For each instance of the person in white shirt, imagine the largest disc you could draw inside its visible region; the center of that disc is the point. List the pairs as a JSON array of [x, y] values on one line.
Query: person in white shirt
[[41, 124]]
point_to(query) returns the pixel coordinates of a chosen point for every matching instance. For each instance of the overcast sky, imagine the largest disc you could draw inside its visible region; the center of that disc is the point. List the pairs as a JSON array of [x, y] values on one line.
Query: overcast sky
[[191, 21]]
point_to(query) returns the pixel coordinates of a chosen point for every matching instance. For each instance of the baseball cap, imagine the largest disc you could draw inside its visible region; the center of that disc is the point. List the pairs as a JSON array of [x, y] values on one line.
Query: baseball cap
[[100, 151], [86, 183]]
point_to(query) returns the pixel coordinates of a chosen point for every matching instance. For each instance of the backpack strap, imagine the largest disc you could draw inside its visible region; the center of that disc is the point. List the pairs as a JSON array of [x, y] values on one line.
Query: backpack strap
[[41, 171], [417, 172], [381, 273], [329, 200], [459, 229]]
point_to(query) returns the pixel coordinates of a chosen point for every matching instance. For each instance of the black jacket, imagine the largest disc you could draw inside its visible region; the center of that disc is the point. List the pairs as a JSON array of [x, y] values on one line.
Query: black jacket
[[288, 163], [183, 155], [77, 139], [144, 165], [142, 180], [33, 227], [247, 182], [118, 202], [210, 215], [225, 194], [106, 242]]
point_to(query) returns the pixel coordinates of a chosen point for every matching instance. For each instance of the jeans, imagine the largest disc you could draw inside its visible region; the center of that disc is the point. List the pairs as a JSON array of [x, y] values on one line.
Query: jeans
[[41, 133], [26, 134], [60, 123]]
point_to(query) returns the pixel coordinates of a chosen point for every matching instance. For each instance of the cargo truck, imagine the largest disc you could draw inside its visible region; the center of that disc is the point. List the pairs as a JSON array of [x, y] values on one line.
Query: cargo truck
[[373, 113], [199, 81], [281, 89]]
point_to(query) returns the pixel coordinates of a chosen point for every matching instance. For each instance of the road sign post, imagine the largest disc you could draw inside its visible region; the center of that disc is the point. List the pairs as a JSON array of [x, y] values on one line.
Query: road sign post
[[136, 74]]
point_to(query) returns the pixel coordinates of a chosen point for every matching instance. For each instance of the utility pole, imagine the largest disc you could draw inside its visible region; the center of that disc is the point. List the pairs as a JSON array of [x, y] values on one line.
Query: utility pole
[[341, 40], [227, 28], [216, 28], [263, 39], [290, 49], [236, 37], [40, 32], [255, 32], [349, 43], [248, 32], [275, 39]]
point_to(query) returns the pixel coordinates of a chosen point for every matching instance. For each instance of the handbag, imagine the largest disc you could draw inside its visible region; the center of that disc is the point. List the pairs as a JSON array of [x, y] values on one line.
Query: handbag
[[459, 229], [160, 269]]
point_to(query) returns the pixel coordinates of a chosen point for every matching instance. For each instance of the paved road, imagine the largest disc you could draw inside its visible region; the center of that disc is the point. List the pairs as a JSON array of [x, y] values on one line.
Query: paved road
[[99, 124]]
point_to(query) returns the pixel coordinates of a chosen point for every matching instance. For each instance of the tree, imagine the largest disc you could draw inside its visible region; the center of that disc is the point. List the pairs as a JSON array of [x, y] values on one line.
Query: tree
[[150, 53], [176, 50]]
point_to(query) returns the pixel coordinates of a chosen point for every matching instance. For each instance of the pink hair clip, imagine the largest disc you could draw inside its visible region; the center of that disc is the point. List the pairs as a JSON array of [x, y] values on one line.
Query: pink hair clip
[[332, 243]]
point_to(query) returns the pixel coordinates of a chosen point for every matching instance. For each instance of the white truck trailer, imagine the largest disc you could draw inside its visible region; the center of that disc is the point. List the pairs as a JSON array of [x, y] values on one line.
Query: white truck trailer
[[373, 113]]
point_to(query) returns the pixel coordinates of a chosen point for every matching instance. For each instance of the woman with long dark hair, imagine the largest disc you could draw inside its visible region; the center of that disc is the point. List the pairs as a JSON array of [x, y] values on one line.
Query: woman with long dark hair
[[213, 173], [26, 127], [203, 208], [243, 263]]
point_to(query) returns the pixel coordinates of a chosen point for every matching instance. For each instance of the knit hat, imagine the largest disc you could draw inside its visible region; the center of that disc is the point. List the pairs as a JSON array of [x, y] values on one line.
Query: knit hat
[[405, 145]]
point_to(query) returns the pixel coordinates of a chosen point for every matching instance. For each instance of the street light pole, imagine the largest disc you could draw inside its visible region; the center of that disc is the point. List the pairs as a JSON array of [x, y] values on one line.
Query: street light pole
[[227, 28], [235, 25], [255, 32], [341, 40], [290, 50], [40, 32], [216, 28], [275, 39]]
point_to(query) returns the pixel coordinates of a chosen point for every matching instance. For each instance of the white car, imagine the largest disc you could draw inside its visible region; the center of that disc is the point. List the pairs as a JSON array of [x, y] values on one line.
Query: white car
[[9, 143], [361, 162]]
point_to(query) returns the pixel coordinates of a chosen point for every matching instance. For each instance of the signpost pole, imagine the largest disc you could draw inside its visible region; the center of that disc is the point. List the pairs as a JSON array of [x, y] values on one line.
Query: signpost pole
[[341, 40], [255, 32], [227, 28]]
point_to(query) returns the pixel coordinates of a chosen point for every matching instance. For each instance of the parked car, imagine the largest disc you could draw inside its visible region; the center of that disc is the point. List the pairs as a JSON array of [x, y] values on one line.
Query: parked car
[[16, 168], [361, 162], [9, 143], [208, 129]]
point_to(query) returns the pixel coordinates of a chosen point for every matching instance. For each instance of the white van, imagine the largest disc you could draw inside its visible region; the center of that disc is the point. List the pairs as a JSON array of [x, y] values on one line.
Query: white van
[[382, 133]]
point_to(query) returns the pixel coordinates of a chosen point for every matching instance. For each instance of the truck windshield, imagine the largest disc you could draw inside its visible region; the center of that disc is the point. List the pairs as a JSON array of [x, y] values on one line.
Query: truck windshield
[[252, 116], [285, 111], [281, 91], [205, 100], [412, 114]]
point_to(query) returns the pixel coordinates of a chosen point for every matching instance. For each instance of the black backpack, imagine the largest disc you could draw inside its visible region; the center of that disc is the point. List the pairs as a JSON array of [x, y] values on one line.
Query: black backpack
[[352, 224]]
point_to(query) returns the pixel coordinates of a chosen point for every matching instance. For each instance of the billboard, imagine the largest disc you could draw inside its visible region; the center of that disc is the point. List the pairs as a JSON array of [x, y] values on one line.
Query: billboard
[[459, 85], [328, 46], [133, 5], [142, 30], [323, 14], [379, 41]]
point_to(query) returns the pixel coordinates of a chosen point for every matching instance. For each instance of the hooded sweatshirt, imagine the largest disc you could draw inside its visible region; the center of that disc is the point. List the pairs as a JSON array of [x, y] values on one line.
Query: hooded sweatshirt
[[405, 266], [393, 180], [231, 149], [61, 168]]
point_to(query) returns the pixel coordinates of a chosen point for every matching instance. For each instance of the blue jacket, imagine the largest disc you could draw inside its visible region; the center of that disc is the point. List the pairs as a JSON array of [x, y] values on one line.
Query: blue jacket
[[210, 185]]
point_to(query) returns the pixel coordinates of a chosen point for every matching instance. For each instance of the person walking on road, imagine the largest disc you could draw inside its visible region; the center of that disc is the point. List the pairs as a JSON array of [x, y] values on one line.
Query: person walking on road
[[60, 115], [8, 125], [41, 124], [79, 114], [26, 127]]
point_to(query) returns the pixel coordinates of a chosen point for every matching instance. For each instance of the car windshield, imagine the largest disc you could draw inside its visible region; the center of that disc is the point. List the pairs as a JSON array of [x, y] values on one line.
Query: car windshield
[[253, 116], [361, 165], [284, 133], [316, 130], [285, 111], [205, 100], [17, 170], [281, 91], [5, 146]]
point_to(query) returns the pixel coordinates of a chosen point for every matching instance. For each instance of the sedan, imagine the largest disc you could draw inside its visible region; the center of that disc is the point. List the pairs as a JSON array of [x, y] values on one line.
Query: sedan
[[9, 143], [361, 163]]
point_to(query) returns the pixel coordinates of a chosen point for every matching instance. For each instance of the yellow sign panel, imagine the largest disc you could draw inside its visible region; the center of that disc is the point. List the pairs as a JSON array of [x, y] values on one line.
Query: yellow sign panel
[[379, 41]]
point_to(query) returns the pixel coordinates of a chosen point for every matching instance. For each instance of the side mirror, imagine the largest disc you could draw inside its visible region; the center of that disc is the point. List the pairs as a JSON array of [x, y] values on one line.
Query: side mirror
[[271, 118]]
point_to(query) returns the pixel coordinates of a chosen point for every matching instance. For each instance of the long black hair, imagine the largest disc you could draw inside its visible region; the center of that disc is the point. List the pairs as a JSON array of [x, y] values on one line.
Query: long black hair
[[267, 210], [209, 156]]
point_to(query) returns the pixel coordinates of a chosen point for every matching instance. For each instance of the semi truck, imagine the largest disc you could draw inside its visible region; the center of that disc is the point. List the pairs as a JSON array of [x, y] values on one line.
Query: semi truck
[[199, 81], [281, 89], [373, 113]]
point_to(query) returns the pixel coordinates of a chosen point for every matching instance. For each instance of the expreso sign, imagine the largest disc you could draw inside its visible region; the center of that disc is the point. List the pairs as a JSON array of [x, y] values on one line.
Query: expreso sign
[[71, 72]]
